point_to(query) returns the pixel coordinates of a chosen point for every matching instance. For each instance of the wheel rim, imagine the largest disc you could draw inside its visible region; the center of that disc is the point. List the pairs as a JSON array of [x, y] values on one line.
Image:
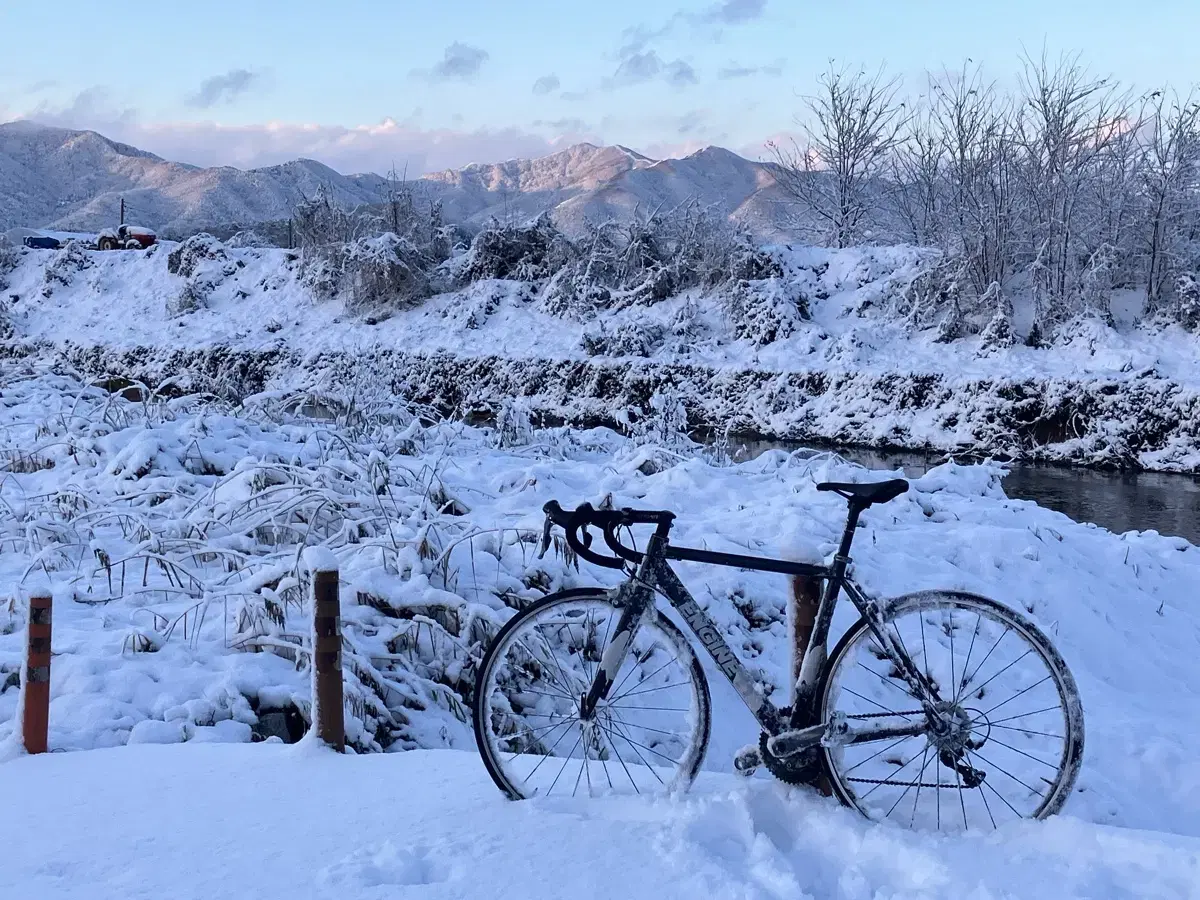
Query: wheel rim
[[647, 738], [1009, 712]]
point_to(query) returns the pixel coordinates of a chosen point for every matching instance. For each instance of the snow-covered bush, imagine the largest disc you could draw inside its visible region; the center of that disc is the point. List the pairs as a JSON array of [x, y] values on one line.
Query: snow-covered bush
[[198, 250], [247, 239], [1187, 301], [204, 264], [625, 339], [9, 257], [518, 252], [765, 311], [383, 273], [67, 262]]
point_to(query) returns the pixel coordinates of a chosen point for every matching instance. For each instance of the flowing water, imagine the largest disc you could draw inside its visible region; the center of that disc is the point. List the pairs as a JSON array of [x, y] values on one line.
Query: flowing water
[[1118, 501]]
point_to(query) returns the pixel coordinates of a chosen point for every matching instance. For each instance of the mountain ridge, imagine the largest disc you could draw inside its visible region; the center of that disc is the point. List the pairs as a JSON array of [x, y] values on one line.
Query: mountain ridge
[[70, 180]]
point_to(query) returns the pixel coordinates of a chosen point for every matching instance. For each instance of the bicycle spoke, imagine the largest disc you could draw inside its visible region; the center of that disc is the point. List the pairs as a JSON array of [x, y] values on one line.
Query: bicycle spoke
[[1002, 671], [967, 662], [920, 775], [890, 682], [1036, 712], [661, 687], [550, 789], [1027, 730], [995, 740], [986, 657], [880, 753], [1011, 699], [1004, 771], [904, 794]]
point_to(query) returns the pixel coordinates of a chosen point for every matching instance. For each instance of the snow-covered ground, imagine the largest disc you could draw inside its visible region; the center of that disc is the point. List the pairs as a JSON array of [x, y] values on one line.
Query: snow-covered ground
[[124, 300], [268, 822], [171, 532]]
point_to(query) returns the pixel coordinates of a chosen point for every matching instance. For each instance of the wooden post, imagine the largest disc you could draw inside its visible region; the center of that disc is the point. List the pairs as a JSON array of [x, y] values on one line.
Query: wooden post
[[805, 599], [35, 718], [329, 715]]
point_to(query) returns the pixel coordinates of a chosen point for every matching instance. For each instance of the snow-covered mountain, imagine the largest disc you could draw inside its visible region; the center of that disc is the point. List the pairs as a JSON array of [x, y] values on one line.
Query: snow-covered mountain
[[75, 180]]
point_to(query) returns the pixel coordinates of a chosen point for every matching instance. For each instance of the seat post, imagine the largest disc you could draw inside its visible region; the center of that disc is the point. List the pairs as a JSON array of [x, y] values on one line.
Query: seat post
[[856, 509]]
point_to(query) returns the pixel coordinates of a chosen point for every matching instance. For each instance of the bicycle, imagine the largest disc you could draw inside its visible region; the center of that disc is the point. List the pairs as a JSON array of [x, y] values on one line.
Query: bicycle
[[605, 682]]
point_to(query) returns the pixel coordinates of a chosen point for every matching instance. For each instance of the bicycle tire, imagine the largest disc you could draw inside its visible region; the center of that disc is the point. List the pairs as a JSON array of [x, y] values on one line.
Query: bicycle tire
[[688, 660], [1072, 708]]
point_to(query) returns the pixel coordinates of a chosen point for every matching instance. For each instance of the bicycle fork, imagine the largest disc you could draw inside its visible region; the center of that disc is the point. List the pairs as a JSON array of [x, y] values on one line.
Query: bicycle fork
[[634, 598]]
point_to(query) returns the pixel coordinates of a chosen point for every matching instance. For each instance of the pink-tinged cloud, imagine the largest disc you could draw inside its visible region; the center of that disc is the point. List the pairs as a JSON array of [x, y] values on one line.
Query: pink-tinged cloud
[[364, 148]]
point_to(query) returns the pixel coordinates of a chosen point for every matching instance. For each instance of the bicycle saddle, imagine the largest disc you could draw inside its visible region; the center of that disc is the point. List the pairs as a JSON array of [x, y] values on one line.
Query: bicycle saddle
[[868, 492]]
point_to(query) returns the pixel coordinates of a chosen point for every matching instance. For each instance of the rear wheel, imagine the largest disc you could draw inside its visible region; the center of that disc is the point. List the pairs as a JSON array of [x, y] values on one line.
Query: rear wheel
[[1010, 720], [647, 737], [108, 243]]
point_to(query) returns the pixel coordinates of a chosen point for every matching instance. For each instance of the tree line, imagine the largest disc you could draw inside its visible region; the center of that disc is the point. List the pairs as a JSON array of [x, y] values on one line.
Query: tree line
[[1063, 190]]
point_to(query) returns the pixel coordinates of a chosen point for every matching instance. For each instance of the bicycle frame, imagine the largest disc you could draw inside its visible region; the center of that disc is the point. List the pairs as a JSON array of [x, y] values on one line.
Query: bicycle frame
[[636, 596]]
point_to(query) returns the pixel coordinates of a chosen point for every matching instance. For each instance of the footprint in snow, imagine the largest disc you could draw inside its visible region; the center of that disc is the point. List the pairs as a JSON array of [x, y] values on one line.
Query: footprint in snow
[[386, 866]]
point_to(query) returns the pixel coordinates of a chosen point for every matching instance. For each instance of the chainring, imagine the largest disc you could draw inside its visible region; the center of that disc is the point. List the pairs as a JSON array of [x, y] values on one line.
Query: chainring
[[804, 768]]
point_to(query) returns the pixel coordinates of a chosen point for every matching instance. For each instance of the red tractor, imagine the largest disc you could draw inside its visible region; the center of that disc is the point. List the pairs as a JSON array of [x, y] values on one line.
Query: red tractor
[[126, 237]]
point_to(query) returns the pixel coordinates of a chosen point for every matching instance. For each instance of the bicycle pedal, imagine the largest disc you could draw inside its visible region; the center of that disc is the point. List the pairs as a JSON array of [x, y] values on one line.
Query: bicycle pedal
[[747, 760]]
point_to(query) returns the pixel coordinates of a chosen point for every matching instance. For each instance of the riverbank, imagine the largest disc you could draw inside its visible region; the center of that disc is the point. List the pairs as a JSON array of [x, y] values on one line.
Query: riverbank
[[1146, 423], [848, 369]]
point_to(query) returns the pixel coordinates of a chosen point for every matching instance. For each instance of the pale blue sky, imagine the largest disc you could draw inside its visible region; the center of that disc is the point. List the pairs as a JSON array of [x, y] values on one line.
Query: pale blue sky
[[257, 82]]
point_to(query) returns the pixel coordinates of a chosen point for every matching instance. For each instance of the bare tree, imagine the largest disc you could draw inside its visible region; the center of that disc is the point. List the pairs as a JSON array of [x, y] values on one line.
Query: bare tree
[[1169, 176], [1068, 126], [917, 178], [855, 123]]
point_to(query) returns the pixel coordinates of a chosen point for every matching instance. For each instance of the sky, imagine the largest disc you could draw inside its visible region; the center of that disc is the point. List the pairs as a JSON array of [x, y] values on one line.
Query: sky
[[365, 85]]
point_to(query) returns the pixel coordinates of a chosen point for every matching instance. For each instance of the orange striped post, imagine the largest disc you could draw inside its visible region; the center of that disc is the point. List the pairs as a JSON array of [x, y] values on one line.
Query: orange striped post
[[35, 719]]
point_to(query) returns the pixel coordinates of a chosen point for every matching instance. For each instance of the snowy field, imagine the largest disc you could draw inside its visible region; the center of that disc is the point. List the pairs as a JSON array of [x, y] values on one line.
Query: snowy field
[[266, 822], [171, 530]]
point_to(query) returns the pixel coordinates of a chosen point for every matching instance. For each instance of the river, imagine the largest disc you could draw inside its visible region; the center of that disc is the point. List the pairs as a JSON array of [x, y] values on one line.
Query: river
[[1118, 501]]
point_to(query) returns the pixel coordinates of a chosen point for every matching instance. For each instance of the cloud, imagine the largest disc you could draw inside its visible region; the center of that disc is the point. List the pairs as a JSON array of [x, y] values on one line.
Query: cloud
[[732, 12], [546, 84], [90, 109], [223, 88], [641, 67], [459, 61], [679, 73], [361, 148], [728, 12], [774, 70]]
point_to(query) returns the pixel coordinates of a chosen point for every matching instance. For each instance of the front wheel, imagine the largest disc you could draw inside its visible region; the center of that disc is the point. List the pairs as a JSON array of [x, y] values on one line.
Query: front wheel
[[648, 736], [1009, 740]]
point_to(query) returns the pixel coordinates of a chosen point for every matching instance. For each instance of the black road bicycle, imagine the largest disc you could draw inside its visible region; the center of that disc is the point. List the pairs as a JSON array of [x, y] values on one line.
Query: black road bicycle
[[938, 709]]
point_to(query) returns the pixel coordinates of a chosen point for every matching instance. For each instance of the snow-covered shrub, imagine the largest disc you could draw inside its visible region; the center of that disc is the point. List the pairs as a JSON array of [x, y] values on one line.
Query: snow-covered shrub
[[9, 257], [997, 334], [247, 239], [514, 424], [204, 264], [186, 259], [67, 262], [936, 297], [766, 310], [385, 272], [1187, 301], [625, 339], [517, 252]]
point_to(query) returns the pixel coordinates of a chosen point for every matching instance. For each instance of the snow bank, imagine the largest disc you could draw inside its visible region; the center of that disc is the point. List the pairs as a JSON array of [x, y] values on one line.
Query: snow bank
[[840, 364], [174, 532], [259, 823]]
